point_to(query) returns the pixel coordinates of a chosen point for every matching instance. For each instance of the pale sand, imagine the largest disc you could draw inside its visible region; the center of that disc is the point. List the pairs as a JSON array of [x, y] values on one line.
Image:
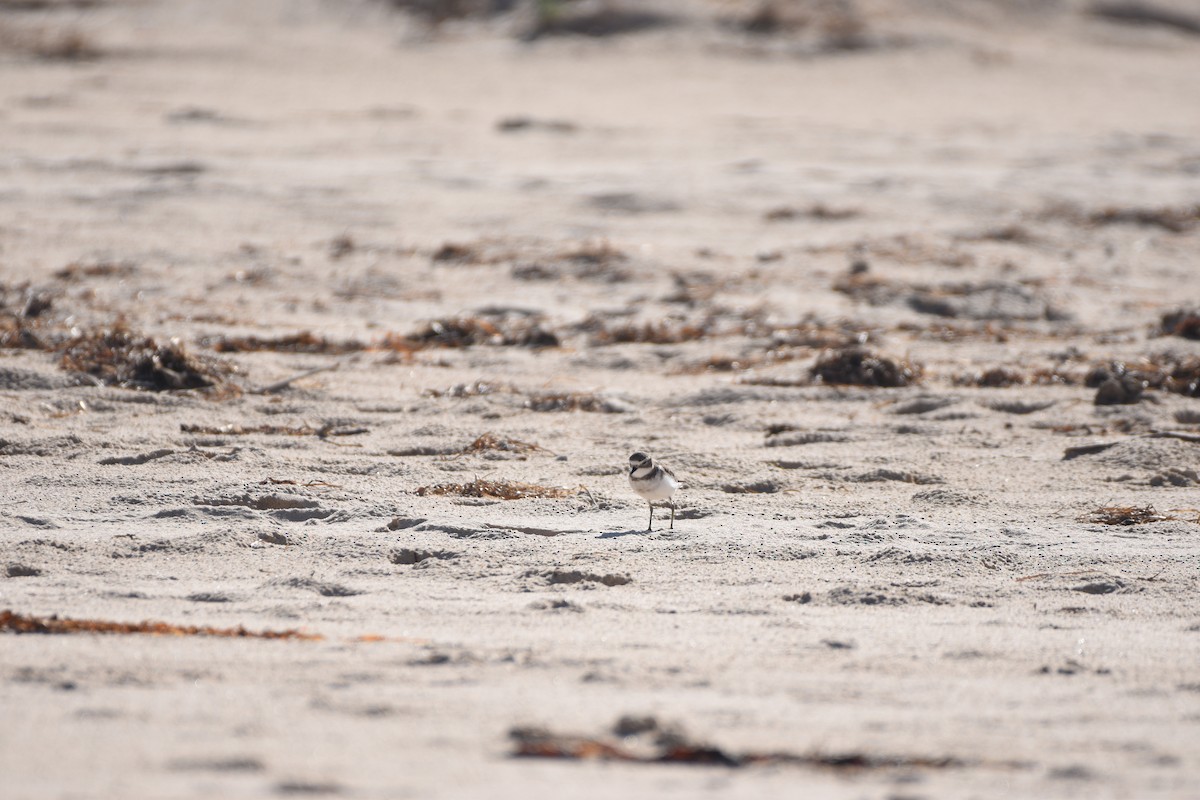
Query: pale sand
[[916, 584]]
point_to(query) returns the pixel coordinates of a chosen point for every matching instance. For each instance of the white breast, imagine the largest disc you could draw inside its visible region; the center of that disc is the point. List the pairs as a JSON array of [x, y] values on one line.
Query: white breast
[[659, 489]]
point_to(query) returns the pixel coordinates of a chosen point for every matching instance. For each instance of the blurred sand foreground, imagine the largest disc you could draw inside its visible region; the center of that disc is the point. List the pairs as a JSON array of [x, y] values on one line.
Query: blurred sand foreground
[[322, 318]]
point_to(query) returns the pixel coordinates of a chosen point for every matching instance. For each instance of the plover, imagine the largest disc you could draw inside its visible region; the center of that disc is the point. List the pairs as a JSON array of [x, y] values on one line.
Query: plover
[[653, 482]]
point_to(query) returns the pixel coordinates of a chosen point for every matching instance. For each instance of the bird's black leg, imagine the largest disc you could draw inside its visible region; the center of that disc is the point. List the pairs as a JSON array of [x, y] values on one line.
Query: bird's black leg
[[650, 525], [672, 515]]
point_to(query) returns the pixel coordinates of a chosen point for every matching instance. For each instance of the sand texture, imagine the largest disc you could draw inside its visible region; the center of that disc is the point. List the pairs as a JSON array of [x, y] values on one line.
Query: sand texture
[[323, 320]]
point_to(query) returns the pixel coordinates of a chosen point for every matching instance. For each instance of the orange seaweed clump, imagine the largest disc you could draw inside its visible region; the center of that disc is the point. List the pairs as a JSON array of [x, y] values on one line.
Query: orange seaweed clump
[[22, 623]]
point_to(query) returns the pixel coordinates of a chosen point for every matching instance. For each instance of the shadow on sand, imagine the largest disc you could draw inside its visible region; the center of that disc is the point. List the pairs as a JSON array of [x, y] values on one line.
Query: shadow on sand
[[617, 534]]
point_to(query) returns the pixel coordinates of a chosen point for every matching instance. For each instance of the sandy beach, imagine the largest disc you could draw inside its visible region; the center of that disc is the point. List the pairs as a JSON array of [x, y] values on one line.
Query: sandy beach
[[327, 330]]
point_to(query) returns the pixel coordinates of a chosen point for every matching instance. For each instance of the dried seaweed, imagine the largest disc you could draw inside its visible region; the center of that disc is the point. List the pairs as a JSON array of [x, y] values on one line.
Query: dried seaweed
[[1015, 234], [457, 253], [399, 348], [450, 333], [573, 401], [301, 342], [771, 17], [118, 356], [817, 211], [910, 249], [463, 332], [490, 441], [1124, 515], [22, 312], [1118, 382], [1174, 219], [18, 333], [596, 259], [700, 287], [726, 363], [20, 623], [1175, 375], [834, 27], [723, 364], [536, 272], [243, 430], [993, 378], [1183, 322], [861, 286], [716, 322], [602, 333], [860, 367], [591, 259], [988, 331], [479, 388], [943, 300], [525, 123], [1004, 377], [813, 333], [329, 429], [97, 269], [474, 253], [501, 490], [67, 43], [341, 246], [470, 331]]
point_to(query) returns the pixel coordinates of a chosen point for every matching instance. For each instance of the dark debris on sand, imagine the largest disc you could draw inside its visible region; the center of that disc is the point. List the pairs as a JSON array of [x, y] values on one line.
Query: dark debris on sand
[[1174, 219], [501, 490], [643, 740], [301, 342], [1001, 377], [574, 401], [602, 332], [469, 331], [817, 211], [477, 388], [491, 442], [1118, 383], [115, 355], [118, 356], [1184, 322], [23, 310], [452, 332], [21, 623], [78, 270], [858, 366], [1124, 515]]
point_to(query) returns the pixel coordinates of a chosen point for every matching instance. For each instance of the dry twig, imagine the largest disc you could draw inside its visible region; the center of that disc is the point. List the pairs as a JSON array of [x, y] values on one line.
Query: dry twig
[[279, 386]]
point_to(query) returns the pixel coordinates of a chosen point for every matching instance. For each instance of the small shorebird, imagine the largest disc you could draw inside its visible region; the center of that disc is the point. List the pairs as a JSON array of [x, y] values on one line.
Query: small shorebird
[[653, 482]]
